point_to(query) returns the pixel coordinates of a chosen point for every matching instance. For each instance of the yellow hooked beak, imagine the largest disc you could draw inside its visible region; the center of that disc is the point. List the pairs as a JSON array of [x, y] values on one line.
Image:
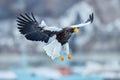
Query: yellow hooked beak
[[76, 30]]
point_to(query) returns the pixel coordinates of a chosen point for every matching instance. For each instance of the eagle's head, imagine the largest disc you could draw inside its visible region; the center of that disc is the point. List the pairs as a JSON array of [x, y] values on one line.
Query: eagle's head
[[72, 30]]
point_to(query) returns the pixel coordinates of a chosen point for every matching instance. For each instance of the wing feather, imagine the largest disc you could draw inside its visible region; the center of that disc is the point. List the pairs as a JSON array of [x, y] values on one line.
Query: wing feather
[[89, 21], [29, 27]]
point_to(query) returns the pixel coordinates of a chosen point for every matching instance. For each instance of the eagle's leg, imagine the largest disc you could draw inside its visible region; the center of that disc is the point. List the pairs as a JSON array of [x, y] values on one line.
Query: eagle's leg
[[66, 47], [57, 51]]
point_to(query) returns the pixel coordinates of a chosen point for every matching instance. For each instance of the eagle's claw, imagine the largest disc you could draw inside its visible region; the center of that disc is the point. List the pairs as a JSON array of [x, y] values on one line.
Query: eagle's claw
[[69, 56], [61, 58]]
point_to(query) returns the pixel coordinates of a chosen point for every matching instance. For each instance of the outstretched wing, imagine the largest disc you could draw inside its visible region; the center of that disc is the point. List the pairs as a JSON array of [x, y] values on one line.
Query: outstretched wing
[[89, 21], [29, 27]]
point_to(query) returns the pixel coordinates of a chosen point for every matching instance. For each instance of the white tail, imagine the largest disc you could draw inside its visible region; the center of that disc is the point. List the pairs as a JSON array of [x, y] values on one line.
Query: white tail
[[53, 49]]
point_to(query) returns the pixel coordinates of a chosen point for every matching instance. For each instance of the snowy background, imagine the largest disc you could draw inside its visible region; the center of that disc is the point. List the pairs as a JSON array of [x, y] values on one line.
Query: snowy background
[[95, 51]]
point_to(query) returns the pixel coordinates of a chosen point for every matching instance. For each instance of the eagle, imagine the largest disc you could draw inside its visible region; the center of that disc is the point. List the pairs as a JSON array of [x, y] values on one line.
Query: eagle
[[55, 38]]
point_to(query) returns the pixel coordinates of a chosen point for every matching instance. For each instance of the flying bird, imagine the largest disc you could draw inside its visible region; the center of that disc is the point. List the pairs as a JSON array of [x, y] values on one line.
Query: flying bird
[[55, 37]]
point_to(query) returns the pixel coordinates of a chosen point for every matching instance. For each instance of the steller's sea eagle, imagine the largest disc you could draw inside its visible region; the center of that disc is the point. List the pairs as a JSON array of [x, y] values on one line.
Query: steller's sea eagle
[[56, 38]]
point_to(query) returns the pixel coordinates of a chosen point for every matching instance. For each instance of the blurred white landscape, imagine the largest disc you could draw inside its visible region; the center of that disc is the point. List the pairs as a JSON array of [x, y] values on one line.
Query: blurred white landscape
[[95, 50]]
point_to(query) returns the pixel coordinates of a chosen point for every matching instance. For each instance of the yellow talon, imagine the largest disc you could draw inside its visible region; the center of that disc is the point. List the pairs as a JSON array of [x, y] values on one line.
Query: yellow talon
[[61, 58], [69, 56]]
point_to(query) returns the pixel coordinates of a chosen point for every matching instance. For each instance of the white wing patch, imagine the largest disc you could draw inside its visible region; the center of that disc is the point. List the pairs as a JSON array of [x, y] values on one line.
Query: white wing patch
[[89, 21], [81, 25], [53, 49], [43, 23], [52, 28]]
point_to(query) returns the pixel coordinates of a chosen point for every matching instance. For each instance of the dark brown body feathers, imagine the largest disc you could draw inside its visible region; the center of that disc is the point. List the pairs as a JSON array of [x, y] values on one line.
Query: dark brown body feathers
[[64, 35]]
